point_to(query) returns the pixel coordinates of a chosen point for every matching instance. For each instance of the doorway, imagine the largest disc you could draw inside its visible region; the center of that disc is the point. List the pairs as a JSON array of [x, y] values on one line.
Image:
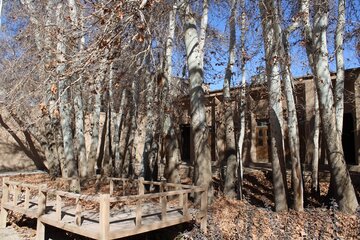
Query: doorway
[[348, 140]]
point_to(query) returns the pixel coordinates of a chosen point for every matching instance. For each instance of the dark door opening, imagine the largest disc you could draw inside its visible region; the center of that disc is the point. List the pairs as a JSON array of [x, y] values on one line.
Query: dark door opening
[[185, 142], [348, 140]]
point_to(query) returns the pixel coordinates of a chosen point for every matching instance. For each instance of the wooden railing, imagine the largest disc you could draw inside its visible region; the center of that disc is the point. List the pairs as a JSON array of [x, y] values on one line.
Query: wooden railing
[[39, 195]]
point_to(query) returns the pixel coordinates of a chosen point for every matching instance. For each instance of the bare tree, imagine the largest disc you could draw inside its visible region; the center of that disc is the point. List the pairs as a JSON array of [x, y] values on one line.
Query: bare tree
[[202, 157], [230, 152], [271, 41], [344, 190]]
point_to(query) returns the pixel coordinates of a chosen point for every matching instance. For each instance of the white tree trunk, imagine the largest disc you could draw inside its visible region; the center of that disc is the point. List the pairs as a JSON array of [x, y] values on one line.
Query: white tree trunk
[[172, 151], [344, 190], [70, 167], [117, 133], [230, 152], [316, 155], [147, 164], [242, 117], [292, 122], [78, 100], [340, 75], [202, 172], [267, 9], [202, 34]]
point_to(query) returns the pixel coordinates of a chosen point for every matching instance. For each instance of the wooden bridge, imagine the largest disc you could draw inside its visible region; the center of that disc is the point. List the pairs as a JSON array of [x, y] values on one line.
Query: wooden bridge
[[104, 216]]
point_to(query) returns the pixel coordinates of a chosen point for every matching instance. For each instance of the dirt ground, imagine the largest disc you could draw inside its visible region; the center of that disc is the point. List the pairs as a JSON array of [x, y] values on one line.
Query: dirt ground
[[251, 218]]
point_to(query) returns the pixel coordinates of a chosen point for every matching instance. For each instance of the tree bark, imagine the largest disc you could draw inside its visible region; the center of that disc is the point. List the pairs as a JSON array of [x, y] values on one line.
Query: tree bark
[[78, 99], [202, 33], [96, 115], [70, 168], [267, 9], [117, 133], [172, 151], [147, 161], [340, 75], [230, 152], [202, 156]]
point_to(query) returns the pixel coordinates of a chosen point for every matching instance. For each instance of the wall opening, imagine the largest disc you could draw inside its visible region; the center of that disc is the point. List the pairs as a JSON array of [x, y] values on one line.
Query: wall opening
[[348, 140], [185, 142]]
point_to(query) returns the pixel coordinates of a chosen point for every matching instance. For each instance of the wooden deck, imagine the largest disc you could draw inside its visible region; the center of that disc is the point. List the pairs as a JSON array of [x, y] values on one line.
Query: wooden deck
[[110, 216]]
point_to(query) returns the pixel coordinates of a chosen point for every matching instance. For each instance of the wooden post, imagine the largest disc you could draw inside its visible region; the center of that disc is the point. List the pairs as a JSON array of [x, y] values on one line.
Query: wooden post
[[163, 207], [138, 213], [40, 226], [58, 207], [141, 186], [185, 205], [27, 198], [111, 187], [4, 200], [78, 212], [203, 210], [104, 216], [40, 230]]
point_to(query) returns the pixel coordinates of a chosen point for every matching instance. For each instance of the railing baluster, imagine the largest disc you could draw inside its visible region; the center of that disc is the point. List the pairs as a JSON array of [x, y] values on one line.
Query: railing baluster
[[58, 207], [40, 226], [163, 207], [185, 205], [111, 187], [138, 213], [41, 201], [141, 186], [27, 198], [78, 212], [203, 210], [15, 194], [181, 196], [4, 200], [104, 220]]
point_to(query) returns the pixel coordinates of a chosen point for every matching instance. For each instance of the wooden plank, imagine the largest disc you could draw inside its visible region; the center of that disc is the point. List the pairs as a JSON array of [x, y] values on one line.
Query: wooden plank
[[155, 195], [58, 207], [28, 213], [104, 216], [146, 228], [20, 184], [90, 232]]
